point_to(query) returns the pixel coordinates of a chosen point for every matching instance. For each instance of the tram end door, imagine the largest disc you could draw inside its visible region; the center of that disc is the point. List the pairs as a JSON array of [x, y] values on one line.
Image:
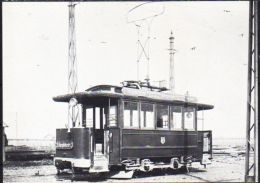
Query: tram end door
[[206, 139], [99, 156]]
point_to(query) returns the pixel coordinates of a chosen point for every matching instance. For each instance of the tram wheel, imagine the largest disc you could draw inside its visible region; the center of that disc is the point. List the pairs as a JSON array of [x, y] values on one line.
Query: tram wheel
[[58, 171], [184, 169], [103, 175], [76, 170]]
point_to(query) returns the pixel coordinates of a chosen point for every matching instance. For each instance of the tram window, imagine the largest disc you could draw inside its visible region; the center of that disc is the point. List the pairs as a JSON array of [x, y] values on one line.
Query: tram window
[[176, 117], [189, 118], [79, 113], [97, 117], [131, 114], [162, 116], [200, 120], [147, 115], [89, 117], [113, 116]]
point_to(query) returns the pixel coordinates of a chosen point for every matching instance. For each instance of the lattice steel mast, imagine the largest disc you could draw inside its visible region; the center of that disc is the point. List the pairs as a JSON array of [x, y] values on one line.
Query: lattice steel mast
[[251, 168], [72, 66]]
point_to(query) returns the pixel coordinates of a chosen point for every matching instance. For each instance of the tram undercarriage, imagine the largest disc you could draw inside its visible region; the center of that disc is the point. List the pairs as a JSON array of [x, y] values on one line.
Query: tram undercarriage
[[125, 170]]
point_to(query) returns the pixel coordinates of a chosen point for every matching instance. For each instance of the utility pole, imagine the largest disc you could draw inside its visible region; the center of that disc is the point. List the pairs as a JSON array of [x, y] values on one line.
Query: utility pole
[[252, 123], [72, 67], [171, 73]]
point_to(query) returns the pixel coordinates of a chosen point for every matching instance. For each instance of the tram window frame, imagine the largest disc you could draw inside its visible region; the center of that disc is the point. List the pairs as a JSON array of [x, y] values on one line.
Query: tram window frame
[[138, 116], [86, 123], [79, 121], [145, 122], [156, 118], [193, 118], [115, 118], [172, 127]]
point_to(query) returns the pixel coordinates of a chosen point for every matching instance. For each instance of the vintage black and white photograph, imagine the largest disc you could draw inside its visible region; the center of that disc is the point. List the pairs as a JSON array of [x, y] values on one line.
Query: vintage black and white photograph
[[130, 91]]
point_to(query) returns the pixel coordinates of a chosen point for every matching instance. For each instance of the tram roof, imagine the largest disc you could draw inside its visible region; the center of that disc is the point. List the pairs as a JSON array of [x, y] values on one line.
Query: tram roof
[[102, 92]]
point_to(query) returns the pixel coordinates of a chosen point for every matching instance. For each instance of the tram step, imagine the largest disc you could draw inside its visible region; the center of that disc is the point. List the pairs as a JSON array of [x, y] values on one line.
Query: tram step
[[122, 174], [100, 164]]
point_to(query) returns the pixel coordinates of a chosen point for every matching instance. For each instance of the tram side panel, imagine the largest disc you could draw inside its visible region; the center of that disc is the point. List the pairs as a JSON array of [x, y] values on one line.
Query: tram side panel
[[159, 143], [72, 145], [114, 146]]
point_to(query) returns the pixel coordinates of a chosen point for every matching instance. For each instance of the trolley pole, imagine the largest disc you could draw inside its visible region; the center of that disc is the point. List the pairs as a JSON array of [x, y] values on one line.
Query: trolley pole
[[252, 123]]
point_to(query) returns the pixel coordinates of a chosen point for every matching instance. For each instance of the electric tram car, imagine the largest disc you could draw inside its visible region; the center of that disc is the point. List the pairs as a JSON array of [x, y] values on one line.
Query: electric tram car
[[134, 127]]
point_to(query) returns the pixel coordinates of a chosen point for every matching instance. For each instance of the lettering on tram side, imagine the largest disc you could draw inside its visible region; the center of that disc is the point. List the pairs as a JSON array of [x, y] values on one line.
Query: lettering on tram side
[[64, 145]]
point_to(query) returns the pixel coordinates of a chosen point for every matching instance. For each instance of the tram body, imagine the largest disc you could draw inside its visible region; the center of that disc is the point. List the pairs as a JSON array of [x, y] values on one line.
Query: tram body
[[132, 128]]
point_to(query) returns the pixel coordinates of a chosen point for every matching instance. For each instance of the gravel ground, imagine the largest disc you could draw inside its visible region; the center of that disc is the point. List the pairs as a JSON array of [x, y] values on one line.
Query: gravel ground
[[224, 168]]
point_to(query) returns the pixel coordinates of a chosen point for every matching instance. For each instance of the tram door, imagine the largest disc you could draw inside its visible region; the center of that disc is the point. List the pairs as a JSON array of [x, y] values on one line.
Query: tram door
[[97, 117], [99, 123]]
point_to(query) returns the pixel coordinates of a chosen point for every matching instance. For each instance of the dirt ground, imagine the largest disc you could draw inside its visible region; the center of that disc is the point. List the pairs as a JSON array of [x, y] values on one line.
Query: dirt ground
[[224, 168]]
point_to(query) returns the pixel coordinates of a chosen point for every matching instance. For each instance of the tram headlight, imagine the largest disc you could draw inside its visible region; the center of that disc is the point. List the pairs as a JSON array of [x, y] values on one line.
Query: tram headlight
[[73, 102]]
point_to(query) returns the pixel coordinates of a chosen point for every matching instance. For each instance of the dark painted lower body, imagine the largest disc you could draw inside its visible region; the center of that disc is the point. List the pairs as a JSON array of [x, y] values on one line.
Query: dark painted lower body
[[124, 144]]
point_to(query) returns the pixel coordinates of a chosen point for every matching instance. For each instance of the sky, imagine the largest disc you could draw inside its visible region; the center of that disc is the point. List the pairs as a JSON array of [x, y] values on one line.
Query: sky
[[35, 58]]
